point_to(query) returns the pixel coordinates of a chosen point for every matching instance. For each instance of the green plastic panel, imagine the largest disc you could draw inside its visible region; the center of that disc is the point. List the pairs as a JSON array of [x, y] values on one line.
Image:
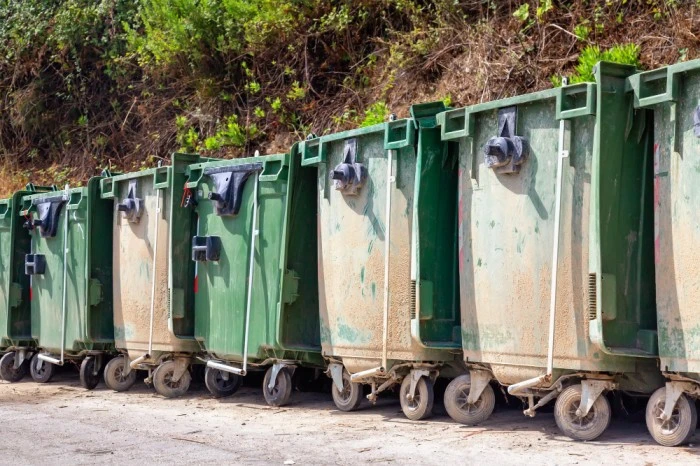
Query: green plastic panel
[[506, 233], [88, 315], [15, 306], [676, 199], [284, 318]]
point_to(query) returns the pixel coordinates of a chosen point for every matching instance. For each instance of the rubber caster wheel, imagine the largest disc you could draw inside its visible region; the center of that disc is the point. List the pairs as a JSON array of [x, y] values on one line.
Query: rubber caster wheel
[[279, 394], [44, 374], [463, 412], [115, 377], [679, 428], [88, 378], [165, 385], [218, 385], [349, 398], [421, 406], [8, 372], [588, 427]]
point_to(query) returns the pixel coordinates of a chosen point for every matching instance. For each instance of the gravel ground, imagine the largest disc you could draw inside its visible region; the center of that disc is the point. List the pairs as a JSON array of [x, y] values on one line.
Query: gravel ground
[[61, 423]]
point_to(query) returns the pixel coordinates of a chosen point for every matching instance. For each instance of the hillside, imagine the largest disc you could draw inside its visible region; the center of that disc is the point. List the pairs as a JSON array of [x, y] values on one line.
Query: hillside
[[88, 84]]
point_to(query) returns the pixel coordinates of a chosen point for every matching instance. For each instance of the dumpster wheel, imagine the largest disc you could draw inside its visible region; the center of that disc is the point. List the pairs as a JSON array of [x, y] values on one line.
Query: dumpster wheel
[[588, 427], [459, 409], [165, 385], [9, 372], [350, 397], [88, 378], [116, 376], [42, 374], [281, 392], [421, 406], [679, 428], [219, 385]]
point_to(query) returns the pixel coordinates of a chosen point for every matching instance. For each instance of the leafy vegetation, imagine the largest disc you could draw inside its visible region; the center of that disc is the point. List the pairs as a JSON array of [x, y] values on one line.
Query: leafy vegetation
[[122, 83]]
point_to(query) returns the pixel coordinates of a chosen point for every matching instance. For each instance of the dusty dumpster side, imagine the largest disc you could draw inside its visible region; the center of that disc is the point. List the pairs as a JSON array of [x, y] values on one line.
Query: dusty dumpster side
[[672, 94], [387, 249], [555, 230]]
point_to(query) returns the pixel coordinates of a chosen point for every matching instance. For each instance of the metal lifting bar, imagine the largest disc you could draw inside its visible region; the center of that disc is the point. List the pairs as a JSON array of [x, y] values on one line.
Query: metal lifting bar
[[563, 153], [251, 269], [390, 179], [153, 273], [65, 274]]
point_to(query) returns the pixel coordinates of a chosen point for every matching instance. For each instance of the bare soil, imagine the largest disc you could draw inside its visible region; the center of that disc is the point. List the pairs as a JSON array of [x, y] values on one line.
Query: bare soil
[[62, 423]]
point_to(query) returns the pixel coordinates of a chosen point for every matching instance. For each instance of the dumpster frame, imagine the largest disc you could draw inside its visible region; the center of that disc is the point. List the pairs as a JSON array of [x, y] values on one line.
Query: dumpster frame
[[660, 91], [277, 355], [402, 138], [576, 101], [95, 343]]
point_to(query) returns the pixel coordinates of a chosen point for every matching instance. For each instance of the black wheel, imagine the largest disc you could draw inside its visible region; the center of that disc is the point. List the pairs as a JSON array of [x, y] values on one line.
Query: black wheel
[[679, 428], [115, 377], [165, 385], [282, 391], [8, 372], [217, 384], [88, 378], [350, 397], [588, 427], [460, 410], [44, 374], [421, 406]]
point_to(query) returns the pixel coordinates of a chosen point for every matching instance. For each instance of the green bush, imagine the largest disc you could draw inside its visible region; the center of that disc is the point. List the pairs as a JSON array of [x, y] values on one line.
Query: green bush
[[626, 54]]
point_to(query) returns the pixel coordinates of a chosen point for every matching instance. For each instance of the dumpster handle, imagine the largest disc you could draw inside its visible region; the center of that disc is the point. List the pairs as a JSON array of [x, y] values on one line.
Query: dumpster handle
[[251, 270], [562, 154], [65, 275], [387, 251], [153, 274]]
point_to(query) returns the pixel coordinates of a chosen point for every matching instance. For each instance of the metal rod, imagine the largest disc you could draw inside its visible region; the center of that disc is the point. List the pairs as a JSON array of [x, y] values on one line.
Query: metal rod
[[251, 270], [66, 196], [563, 153], [135, 363], [367, 373], [47, 358], [226, 368], [153, 273], [390, 179]]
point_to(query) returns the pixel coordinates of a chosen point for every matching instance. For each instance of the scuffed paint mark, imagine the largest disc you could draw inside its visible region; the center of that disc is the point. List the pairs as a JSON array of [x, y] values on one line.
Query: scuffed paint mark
[[373, 286], [478, 262], [370, 246], [492, 224], [521, 243], [350, 334], [362, 274], [325, 334]]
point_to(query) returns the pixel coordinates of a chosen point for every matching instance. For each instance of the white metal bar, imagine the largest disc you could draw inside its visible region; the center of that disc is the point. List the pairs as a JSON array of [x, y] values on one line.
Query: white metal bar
[[66, 196], [154, 278], [390, 179], [251, 269]]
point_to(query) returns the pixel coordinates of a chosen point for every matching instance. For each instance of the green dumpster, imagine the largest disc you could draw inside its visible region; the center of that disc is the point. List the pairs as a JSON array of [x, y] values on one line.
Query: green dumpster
[[153, 318], [15, 310], [555, 243], [388, 286], [255, 249], [70, 273], [672, 94]]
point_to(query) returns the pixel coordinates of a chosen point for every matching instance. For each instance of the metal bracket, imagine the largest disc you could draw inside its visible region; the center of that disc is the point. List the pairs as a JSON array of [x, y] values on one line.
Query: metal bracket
[[276, 368], [415, 376], [590, 391], [98, 364], [479, 380], [181, 365], [20, 356], [131, 207], [674, 390], [350, 175], [127, 366], [336, 371], [506, 152]]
